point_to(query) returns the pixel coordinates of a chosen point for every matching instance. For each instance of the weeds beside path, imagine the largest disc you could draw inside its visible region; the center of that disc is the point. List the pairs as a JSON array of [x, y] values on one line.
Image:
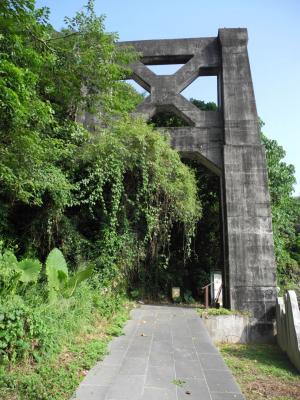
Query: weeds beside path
[[263, 371], [58, 377]]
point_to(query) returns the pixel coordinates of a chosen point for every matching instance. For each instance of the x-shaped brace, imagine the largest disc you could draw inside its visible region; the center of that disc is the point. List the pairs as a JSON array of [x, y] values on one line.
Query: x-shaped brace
[[165, 89]]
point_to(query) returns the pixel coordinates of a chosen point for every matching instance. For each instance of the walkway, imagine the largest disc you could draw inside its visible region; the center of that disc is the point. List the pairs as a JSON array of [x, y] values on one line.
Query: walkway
[[165, 354]]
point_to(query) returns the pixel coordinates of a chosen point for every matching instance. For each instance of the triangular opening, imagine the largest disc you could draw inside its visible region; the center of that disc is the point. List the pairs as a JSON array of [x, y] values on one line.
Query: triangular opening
[[169, 69], [169, 117], [136, 87], [204, 88], [130, 95]]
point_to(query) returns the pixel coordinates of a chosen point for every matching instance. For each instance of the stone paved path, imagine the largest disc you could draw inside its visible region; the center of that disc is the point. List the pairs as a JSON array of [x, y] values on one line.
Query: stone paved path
[[165, 354]]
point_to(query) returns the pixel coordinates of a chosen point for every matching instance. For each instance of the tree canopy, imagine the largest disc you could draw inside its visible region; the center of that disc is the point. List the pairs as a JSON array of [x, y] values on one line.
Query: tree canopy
[[285, 213], [108, 194]]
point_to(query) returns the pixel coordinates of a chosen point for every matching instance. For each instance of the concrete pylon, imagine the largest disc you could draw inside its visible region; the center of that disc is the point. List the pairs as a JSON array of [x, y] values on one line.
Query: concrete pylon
[[227, 142]]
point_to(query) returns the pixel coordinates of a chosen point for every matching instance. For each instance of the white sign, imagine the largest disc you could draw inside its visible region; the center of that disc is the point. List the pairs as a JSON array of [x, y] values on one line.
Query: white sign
[[216, 279]]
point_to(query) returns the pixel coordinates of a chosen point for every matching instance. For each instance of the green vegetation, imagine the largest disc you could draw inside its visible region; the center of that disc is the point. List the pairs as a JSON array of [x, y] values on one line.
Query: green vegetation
[[178, 382], [82, 211], [131, 195], [207, 312], [94, 203], [110, 194], [115, 195], [65, 340], [285, 215], [262, 371], [46, 318]]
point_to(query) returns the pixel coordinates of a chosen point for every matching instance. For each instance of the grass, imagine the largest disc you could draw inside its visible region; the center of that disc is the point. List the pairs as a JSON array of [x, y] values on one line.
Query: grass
[[213, 312], [263, 371], [178, 382], [57, 378]]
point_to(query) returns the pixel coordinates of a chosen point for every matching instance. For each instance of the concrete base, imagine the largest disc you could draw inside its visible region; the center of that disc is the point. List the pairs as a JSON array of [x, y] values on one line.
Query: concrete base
[[238, 329], [288, 326]]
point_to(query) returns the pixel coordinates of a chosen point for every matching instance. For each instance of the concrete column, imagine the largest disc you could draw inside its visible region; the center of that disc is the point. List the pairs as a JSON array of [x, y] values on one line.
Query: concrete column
[[250, 263]]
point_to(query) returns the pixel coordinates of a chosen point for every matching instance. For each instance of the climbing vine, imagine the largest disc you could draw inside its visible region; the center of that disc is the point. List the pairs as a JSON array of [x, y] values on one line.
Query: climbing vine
[[135, 188]]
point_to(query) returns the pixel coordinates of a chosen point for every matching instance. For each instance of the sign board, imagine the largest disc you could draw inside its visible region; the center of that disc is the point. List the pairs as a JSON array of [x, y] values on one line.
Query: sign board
[[216, 279]]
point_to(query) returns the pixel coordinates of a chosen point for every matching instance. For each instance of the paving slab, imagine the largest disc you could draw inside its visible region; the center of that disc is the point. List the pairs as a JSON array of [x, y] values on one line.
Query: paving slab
[[164, 354]]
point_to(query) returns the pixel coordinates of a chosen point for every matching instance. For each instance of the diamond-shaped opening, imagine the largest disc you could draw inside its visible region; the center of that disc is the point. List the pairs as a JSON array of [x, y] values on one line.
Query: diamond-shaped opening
[[169, 117], [165, 69], [204, 89]]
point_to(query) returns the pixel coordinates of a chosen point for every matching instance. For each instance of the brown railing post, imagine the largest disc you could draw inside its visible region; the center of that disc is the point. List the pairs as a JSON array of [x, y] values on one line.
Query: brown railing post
[[206, 298]]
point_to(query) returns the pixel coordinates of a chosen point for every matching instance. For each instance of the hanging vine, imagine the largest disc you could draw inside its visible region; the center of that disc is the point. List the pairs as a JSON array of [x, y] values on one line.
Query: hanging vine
[[136, 187]]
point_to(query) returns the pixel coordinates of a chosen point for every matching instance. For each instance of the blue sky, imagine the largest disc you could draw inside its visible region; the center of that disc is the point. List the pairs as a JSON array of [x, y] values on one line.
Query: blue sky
[[274, 48]]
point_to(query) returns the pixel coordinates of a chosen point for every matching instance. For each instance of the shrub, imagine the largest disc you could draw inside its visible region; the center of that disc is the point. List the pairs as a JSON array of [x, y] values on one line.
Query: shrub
[[23, 331], [16, 274]]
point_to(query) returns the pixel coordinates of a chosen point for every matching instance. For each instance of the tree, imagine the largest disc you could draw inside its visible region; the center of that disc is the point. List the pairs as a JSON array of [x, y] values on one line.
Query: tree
[[110, 193], [27, 156], [43, 75], [285, 211]]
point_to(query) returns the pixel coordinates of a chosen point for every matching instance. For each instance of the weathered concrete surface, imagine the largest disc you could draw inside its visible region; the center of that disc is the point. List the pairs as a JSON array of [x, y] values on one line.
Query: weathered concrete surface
[[161, 345], [228, 142], [288, 326], [201, 57], [251, 265], [236, 329]]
